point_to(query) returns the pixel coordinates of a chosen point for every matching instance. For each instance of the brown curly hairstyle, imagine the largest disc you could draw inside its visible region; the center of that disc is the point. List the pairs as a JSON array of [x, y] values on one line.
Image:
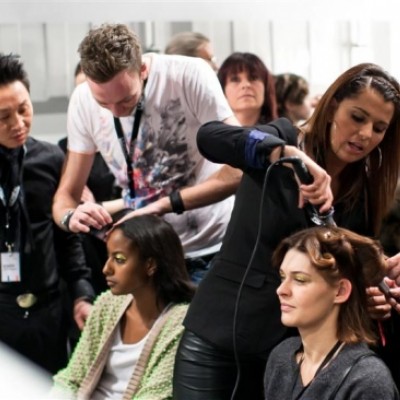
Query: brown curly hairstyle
[[338, 253]]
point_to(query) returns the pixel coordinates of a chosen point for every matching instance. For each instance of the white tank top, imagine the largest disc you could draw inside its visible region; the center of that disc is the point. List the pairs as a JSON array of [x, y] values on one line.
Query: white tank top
[[119, 367]]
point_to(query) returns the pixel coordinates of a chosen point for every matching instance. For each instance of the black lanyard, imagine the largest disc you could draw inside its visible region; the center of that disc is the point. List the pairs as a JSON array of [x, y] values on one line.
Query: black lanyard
[[326, 360], [13, 227], [122, 141], [9, 231]]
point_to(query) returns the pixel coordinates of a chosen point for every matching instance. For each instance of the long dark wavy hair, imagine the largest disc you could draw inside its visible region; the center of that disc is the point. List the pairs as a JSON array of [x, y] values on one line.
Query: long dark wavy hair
[[365, 175]]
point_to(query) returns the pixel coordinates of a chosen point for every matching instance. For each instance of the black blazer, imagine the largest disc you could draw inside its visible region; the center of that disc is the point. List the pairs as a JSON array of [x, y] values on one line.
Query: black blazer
[[53, 253], [211, 314]]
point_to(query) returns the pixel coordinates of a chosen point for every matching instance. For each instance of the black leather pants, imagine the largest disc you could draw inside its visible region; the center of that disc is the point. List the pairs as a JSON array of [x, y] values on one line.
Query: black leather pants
[[203, 371]]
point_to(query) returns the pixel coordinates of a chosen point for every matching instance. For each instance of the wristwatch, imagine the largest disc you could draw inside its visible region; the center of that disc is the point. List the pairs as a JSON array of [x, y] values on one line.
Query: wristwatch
[[65, 220]]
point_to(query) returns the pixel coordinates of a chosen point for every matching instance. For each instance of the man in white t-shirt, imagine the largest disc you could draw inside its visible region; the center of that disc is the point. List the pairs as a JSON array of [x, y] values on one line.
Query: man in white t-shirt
[[177, 94]]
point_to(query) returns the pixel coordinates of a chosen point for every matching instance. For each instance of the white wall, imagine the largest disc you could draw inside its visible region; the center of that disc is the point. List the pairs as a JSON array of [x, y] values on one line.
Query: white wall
[[314, 38]]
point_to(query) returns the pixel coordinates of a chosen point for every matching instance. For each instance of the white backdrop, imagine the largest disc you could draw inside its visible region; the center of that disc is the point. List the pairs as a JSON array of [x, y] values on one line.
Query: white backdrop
[[317, 39]]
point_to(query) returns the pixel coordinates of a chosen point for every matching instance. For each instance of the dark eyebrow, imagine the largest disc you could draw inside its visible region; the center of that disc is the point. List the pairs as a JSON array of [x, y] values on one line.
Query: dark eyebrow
[[362, 110], [368, 114], [19, 105]]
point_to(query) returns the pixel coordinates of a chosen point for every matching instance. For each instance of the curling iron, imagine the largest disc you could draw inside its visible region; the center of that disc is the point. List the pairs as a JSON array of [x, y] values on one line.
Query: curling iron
[[319, 219], [385, 289]]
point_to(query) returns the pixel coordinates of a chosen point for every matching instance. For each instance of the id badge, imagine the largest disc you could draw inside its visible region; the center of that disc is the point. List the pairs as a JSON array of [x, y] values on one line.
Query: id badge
[[10, 267]]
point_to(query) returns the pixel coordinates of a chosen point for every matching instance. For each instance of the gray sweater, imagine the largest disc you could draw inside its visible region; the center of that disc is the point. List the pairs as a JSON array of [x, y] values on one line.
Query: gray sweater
[[369, 378]]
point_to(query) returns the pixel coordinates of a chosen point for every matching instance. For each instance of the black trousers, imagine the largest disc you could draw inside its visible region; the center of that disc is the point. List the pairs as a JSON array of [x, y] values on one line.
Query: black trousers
[[38, 333], [204, 372]]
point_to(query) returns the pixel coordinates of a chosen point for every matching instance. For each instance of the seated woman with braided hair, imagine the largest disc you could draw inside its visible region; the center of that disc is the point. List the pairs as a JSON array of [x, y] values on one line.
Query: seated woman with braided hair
[[324, 273]]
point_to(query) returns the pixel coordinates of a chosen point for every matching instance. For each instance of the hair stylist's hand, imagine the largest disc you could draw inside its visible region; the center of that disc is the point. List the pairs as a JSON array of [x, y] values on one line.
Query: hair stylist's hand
[[394, 268], [378, 305], [319, 192], [159, 207], [89, 215], [395, 300]]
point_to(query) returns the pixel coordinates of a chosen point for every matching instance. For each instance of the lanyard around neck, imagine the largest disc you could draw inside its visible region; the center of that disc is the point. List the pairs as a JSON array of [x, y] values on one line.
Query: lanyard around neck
[[121, 138], [325, 361], [13, 228]]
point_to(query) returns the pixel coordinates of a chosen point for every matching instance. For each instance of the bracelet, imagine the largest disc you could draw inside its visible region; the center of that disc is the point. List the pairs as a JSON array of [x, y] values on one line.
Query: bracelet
[[176, 202], [66, 218]]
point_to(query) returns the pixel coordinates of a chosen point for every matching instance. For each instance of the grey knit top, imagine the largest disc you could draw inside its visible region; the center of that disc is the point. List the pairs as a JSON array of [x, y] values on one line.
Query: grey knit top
[[355, 373]]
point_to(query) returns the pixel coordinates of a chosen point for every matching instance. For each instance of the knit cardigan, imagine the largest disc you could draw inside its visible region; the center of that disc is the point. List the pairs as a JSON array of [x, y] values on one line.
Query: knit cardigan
[[152, 376]]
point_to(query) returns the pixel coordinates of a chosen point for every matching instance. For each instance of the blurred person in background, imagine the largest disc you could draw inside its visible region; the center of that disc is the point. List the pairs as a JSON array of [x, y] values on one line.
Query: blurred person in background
[[293, 97], [192, 44]]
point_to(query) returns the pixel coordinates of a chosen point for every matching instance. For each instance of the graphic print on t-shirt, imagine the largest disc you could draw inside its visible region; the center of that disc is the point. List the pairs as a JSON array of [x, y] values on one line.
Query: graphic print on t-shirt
[[162, 162]]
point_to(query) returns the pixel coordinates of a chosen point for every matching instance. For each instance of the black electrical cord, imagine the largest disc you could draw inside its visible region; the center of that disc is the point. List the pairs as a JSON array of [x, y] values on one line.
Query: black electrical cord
[[316, 217], [260, 215]]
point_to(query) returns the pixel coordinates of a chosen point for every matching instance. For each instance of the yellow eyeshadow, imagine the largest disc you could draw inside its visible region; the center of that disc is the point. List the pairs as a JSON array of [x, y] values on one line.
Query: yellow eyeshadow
[[120, 257], [301, 277]]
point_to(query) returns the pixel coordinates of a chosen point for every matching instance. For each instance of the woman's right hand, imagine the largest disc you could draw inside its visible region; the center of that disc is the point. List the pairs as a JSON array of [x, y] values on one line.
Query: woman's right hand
[[319, 192]]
